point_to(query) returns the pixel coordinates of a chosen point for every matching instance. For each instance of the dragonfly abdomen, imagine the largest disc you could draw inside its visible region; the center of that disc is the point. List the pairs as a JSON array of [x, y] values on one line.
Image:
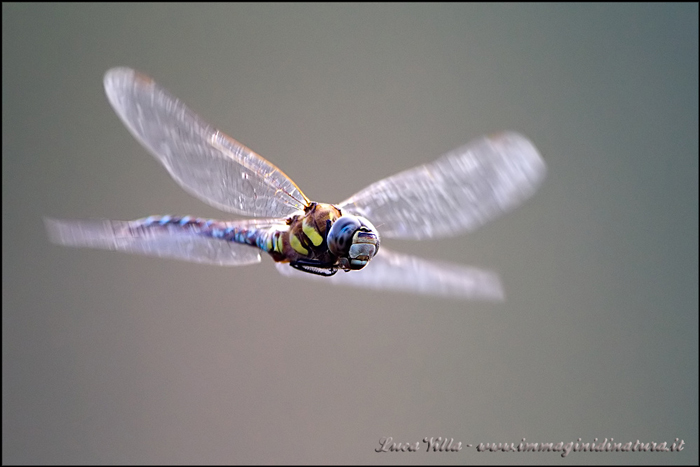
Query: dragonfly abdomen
[[183, 223], [243, 232]]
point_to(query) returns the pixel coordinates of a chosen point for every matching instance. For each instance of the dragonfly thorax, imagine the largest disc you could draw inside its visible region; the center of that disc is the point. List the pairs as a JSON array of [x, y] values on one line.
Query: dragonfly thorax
[[322, 239]]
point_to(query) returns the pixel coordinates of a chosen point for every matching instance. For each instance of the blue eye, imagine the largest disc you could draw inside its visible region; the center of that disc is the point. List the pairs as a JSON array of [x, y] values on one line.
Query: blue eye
[[340, 236]]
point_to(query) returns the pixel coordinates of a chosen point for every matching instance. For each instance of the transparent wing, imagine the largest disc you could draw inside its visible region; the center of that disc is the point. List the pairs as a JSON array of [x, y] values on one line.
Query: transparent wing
[[458, 192], [204, 161], [164, 241], [403, 273]]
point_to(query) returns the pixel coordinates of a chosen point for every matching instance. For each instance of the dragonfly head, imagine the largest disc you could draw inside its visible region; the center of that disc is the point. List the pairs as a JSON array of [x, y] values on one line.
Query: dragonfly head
[[354, 240]]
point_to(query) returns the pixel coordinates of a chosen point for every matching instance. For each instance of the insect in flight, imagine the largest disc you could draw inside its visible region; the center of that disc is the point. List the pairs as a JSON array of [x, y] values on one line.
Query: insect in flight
[[452, 195]]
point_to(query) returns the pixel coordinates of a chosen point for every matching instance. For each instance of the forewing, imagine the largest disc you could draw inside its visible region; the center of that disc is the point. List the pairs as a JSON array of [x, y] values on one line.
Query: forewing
[[165, 242], [204, 161], [457, 193], [404, 273]]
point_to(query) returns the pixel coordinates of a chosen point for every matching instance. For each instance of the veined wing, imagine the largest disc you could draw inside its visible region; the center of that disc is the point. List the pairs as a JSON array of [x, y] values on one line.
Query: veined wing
[[404, 273], [458, 192], [161, 241], [204, 161]]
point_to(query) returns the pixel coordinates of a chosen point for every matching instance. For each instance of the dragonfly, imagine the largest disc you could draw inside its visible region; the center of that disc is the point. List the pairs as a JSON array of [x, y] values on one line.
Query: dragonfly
[[455, 194]]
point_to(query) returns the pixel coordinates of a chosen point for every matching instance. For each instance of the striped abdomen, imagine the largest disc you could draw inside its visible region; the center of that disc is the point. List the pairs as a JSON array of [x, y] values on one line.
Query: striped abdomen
[[247, 232], [302, 238]]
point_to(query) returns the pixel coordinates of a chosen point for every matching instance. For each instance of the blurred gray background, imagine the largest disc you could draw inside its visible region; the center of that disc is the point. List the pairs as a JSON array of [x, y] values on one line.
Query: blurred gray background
[[112, 358]]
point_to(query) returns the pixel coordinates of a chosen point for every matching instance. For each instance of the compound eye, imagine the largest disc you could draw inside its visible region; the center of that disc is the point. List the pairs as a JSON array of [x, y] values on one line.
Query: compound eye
[[341, 233]]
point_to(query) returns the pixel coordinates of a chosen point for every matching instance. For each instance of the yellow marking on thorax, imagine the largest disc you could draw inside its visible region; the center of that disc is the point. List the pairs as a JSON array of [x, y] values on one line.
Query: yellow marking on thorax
[[311, 232], [296, 244]]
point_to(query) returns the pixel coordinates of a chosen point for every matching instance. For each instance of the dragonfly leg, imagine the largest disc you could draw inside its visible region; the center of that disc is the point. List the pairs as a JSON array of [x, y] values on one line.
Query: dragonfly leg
[[314, 267]]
